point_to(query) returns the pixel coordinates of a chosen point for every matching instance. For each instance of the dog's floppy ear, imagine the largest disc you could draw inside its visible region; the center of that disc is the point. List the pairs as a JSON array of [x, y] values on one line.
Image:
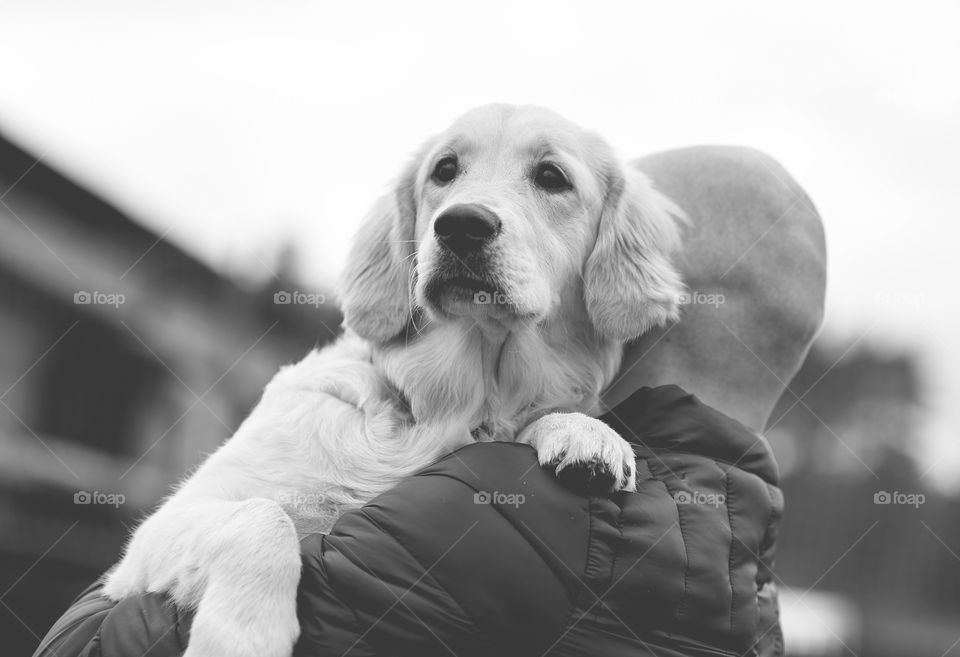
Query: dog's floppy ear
[[631, 284], [375, 288]]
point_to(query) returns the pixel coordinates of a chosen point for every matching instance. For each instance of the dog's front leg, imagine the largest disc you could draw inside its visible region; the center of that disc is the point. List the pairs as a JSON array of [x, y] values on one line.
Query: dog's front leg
[[236, 562], [585, 453]]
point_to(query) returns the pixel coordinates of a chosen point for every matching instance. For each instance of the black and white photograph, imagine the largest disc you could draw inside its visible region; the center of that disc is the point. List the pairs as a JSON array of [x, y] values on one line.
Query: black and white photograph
[[502, 329]]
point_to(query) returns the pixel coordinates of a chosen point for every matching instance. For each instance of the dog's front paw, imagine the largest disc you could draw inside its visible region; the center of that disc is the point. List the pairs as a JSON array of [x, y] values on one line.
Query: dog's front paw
[[586, 455]]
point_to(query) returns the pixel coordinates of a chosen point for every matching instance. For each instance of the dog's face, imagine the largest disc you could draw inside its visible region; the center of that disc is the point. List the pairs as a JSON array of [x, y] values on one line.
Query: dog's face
[[506, 216], [507, 209]]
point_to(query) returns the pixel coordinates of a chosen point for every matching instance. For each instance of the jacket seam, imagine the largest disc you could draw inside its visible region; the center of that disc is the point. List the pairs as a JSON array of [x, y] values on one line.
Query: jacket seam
[[727, 500], [428, 572], [568, 625], [520, 531], [44, 645], [616, 553], [79, 621], [358, 629], [681, 607], [96, 641], [777, 629], [766, 530]]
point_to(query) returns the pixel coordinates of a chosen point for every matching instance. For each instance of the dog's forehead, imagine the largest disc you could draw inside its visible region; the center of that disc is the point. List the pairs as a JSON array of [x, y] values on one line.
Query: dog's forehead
[[504, 138], [524, 131]]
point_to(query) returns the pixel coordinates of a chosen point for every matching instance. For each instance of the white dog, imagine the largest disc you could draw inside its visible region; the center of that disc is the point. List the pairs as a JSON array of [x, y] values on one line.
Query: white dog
[[489, 295]]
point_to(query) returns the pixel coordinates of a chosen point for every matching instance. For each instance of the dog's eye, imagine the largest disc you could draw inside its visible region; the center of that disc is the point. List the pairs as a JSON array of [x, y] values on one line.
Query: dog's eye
[[551, 178], [446, 169]]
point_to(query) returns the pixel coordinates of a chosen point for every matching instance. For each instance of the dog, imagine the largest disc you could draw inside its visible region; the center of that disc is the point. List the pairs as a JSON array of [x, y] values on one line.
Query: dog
[[488, 296]]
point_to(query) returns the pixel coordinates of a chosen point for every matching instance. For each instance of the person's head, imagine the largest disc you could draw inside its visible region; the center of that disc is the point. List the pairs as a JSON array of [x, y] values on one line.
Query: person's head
[[754, 263]]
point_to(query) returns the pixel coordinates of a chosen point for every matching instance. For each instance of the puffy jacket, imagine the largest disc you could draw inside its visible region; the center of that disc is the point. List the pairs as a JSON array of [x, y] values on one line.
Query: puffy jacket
[[484, 554]]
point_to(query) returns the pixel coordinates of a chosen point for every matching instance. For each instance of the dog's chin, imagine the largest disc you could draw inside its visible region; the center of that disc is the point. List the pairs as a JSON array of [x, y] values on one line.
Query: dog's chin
[[461, 296]]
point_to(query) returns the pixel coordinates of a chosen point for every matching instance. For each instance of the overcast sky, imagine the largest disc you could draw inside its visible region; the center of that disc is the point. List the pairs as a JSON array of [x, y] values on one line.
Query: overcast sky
[[232, 129]]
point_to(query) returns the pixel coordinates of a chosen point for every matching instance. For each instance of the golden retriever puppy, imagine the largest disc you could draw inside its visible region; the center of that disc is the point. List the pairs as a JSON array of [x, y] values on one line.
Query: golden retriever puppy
[[487, 297]]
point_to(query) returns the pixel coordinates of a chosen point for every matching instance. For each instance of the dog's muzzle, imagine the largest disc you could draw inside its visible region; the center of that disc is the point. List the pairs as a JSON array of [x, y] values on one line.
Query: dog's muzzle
[[465, 267]]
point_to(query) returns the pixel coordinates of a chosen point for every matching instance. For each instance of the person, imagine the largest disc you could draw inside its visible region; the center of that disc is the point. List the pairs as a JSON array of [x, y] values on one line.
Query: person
[[484, 553]]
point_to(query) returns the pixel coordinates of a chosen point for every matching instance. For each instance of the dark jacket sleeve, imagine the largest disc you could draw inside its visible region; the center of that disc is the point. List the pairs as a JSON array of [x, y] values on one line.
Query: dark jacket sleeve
[[94, 626]]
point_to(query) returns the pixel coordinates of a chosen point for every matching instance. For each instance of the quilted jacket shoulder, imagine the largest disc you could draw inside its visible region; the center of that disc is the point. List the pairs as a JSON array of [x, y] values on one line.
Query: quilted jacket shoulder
[[486, 554]]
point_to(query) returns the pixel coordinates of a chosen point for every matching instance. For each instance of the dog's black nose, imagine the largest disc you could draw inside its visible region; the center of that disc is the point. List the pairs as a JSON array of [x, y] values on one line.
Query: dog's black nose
[[466, 227]]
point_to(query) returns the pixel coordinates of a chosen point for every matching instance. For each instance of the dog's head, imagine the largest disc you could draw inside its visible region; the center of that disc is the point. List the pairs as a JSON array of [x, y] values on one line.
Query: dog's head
[[502, 216]]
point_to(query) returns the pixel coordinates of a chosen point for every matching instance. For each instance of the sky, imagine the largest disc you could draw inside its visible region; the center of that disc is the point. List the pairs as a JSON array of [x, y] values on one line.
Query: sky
[[234, 128]]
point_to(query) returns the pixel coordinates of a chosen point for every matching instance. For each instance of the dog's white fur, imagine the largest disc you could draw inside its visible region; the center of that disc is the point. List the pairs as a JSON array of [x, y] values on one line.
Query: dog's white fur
[[416, 376]]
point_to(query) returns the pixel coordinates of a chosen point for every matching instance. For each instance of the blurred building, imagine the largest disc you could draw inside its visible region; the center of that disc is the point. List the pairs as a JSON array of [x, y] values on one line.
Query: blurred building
[[870, 550], [123, 360]]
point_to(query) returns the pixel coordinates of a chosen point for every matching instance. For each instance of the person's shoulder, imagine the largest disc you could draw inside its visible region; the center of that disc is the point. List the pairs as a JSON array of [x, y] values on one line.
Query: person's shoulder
[[478, 544], [667, 419]]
